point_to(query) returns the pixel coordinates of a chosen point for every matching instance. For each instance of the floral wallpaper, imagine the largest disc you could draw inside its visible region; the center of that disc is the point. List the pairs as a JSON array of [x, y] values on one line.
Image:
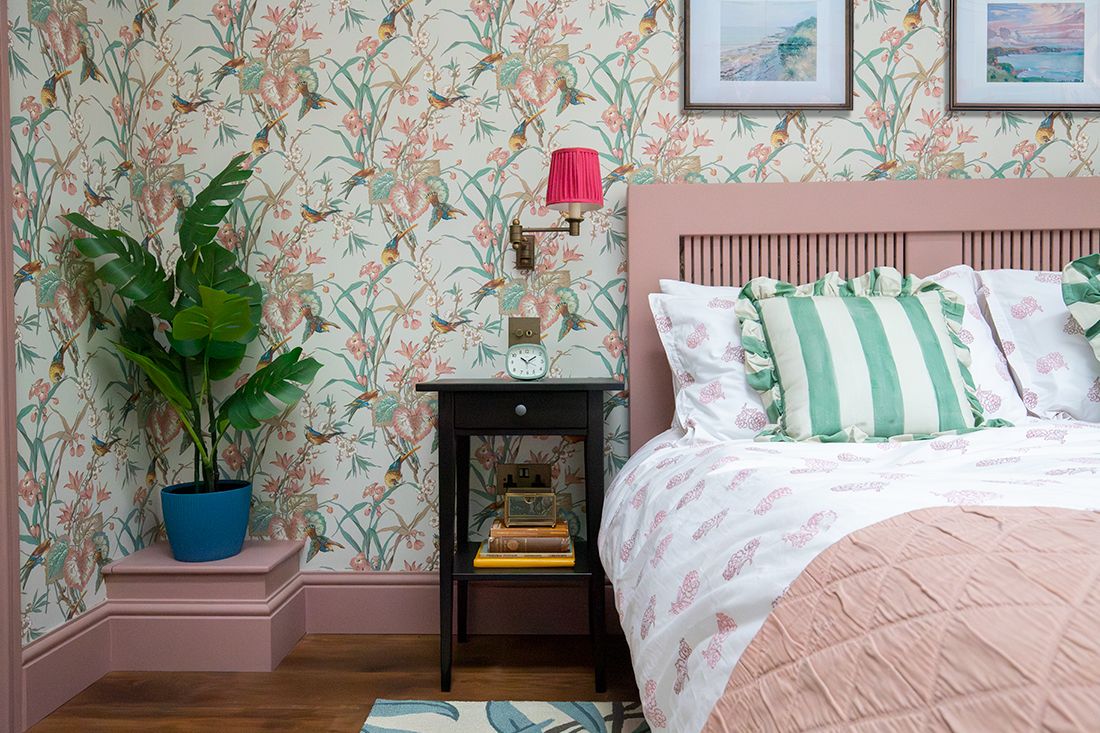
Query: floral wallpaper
[[392, 145]]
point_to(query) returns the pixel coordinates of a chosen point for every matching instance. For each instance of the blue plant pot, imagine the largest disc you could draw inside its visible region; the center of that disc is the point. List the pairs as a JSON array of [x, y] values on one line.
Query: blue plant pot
[[204, 526]]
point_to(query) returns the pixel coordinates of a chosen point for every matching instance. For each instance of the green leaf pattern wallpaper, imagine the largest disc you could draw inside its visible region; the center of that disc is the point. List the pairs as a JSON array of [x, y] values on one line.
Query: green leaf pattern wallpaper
[[392, 144]]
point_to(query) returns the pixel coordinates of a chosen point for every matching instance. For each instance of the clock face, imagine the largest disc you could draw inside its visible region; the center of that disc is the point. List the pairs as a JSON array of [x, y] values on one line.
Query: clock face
[[526, 361]]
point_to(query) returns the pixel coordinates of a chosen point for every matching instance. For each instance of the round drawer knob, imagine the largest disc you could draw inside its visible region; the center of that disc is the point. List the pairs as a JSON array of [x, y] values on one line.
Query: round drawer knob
[[521, 410]]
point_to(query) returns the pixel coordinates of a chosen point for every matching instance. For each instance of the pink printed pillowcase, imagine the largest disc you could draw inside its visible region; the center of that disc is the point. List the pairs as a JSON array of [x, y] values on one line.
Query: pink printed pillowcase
[[702, 340], [1054, 364]]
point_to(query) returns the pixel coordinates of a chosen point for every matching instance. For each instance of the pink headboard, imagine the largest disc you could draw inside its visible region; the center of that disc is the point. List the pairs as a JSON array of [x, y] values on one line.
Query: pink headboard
[[726, 234]]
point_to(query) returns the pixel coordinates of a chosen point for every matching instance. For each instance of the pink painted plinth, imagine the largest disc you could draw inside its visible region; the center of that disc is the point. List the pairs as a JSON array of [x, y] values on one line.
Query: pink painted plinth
[[241, 614]]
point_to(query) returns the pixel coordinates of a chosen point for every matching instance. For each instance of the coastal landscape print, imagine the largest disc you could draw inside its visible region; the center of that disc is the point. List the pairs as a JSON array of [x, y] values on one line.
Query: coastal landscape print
[[1036, 42], [769, 40]]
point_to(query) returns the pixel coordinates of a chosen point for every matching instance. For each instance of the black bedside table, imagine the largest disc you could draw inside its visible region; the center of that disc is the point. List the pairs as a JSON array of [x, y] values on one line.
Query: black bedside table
[[497, 407]]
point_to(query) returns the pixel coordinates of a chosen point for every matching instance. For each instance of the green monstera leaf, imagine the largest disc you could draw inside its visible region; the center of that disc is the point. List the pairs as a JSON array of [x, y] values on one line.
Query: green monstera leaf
[[131, 269], [218, 329], [216, 267], [200, 221], [269, 391]]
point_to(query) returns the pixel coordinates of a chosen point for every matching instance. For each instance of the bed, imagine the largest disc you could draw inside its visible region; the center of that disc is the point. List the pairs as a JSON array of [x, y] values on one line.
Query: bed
[[936, 584]]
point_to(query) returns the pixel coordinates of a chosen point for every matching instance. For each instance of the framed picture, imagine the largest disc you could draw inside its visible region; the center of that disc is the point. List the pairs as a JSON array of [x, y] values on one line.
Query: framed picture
[[1018, 54], [768, 54]]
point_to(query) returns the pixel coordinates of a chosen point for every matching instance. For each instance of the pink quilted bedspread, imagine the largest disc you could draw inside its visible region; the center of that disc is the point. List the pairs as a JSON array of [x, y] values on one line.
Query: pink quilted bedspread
[[962, 619]]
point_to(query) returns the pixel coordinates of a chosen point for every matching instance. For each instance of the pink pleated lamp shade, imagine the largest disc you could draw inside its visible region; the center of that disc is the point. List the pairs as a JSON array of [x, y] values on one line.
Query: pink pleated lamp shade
[[575, 183]]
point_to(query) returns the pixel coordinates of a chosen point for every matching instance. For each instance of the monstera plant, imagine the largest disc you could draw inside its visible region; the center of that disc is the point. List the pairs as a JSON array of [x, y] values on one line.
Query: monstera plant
[[187, 332]]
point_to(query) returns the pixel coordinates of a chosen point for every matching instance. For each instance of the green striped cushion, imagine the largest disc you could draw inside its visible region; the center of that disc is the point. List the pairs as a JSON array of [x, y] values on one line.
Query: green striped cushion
[[1081, 291], [871, 358]]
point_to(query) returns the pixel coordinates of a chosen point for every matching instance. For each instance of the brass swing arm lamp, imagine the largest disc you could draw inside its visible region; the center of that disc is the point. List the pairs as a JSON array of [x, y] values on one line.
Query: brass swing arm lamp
[[574, 186]]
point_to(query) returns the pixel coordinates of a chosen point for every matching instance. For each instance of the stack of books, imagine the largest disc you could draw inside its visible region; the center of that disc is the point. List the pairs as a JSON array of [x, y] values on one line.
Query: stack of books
[[526, 547]]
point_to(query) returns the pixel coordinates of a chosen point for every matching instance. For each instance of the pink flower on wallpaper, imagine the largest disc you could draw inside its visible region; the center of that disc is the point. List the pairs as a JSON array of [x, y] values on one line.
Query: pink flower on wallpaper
[[711, 392], [356, 346], [231, 454], [681, 666], [759, 152], [815, 525], [713, 653], [613, 342], [612, 118], [354, 123], [740, 559], [1026, 307], [876, 115], [768, 501], [706, 527], [359, 563], [649, 617], [685, 596], [20, 203], [484, 234], [29, 488], [1051, 362], [750, 418], [659, 552]]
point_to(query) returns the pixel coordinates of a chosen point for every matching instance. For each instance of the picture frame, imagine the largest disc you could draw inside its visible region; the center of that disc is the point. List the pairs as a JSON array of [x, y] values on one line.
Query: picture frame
[[791, 54], [1038, 55]]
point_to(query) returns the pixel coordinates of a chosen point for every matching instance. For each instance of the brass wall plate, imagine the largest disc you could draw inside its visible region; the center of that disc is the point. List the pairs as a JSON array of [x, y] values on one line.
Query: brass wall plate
[[522, 476], [524, 331]]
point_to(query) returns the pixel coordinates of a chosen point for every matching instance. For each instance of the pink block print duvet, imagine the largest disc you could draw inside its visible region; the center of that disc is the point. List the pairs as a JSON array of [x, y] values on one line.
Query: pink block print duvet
[[703, 541]]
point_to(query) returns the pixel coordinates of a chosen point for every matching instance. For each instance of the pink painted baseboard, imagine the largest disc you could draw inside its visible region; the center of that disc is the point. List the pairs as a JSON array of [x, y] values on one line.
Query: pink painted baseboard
[[248, 612]]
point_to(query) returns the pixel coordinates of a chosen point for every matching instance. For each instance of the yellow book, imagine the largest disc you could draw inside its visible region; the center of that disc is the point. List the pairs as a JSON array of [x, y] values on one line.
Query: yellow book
[[486, 559]]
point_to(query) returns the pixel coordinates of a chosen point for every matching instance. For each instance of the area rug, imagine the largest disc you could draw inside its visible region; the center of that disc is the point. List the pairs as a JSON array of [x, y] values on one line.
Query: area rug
[[429, 716]]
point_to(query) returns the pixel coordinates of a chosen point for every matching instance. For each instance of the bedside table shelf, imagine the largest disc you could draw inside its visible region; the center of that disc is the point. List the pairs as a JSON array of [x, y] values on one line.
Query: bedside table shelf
[[469, 407], [465, 570]]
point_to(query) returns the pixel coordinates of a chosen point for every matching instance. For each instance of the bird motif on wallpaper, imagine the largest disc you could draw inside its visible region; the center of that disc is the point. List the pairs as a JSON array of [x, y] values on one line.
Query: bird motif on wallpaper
[[358, 178], [390, 253], [571, 321], [269, 355], [102, 555], [130, 404], [441, 325], [912, 19], [316, 437], [49, 88], [94, 199], [229, 68], [88, 69], [780, 136], [487, 63], [319, 543], [122, 170], [648, 23], [151, 474], [97, 321], [102, 447], [393, 473], [260, 143], [311, 100], [57, 366], [316, 216], [570, 95], [36, 558], [1045, 132], [315, 324], [489, 288], [187, 106], [518, 138], [26, 273], [363, 400], [387, 28], [145, 17], [152, 238], [617, 175], [438, 101], [882, 170], [441, 211]]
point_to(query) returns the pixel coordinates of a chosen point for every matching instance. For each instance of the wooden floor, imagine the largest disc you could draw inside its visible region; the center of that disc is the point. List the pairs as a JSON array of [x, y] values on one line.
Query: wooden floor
[[329, 682]]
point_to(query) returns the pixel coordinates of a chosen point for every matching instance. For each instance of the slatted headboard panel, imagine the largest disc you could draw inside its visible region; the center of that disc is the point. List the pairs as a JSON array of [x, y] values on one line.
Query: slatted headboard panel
[[727, 234]]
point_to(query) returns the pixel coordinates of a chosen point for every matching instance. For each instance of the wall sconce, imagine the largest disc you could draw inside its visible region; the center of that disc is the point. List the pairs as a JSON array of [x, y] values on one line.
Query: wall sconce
[[575, 186]]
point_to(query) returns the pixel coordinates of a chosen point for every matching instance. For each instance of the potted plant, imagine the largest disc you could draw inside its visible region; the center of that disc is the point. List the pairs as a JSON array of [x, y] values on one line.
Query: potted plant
[[186, 332]]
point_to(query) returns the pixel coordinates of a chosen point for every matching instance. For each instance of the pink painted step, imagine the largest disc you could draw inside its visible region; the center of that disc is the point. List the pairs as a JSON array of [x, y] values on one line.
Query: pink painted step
[[244, 613]]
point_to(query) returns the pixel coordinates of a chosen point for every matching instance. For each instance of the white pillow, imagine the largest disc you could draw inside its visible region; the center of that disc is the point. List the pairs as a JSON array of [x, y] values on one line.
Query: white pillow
[[997, 392], [679, 287], [702, 339], [1058, 374]]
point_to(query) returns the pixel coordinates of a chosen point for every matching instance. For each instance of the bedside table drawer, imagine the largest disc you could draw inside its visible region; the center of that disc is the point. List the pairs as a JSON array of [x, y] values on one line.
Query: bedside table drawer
[[523, 410]]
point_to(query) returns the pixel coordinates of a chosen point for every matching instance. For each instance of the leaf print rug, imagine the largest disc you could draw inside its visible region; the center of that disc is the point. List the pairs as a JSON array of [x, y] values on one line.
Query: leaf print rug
[[432, 716]]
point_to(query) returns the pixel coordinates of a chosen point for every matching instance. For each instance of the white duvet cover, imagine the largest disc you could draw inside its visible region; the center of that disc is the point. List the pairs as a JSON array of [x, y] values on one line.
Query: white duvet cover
[[701, 539]]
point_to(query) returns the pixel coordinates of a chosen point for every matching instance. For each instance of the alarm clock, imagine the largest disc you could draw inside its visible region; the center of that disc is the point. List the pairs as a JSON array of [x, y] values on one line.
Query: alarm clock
[[526, 358]]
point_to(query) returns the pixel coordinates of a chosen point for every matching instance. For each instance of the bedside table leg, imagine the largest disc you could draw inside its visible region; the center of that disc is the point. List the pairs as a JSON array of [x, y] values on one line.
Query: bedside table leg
[[446, 537], [462, 498], [594, 488], [463, 610]]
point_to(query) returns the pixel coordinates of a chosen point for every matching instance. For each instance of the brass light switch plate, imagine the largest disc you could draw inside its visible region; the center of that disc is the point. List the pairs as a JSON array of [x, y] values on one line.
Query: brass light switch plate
[[524, 331]]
